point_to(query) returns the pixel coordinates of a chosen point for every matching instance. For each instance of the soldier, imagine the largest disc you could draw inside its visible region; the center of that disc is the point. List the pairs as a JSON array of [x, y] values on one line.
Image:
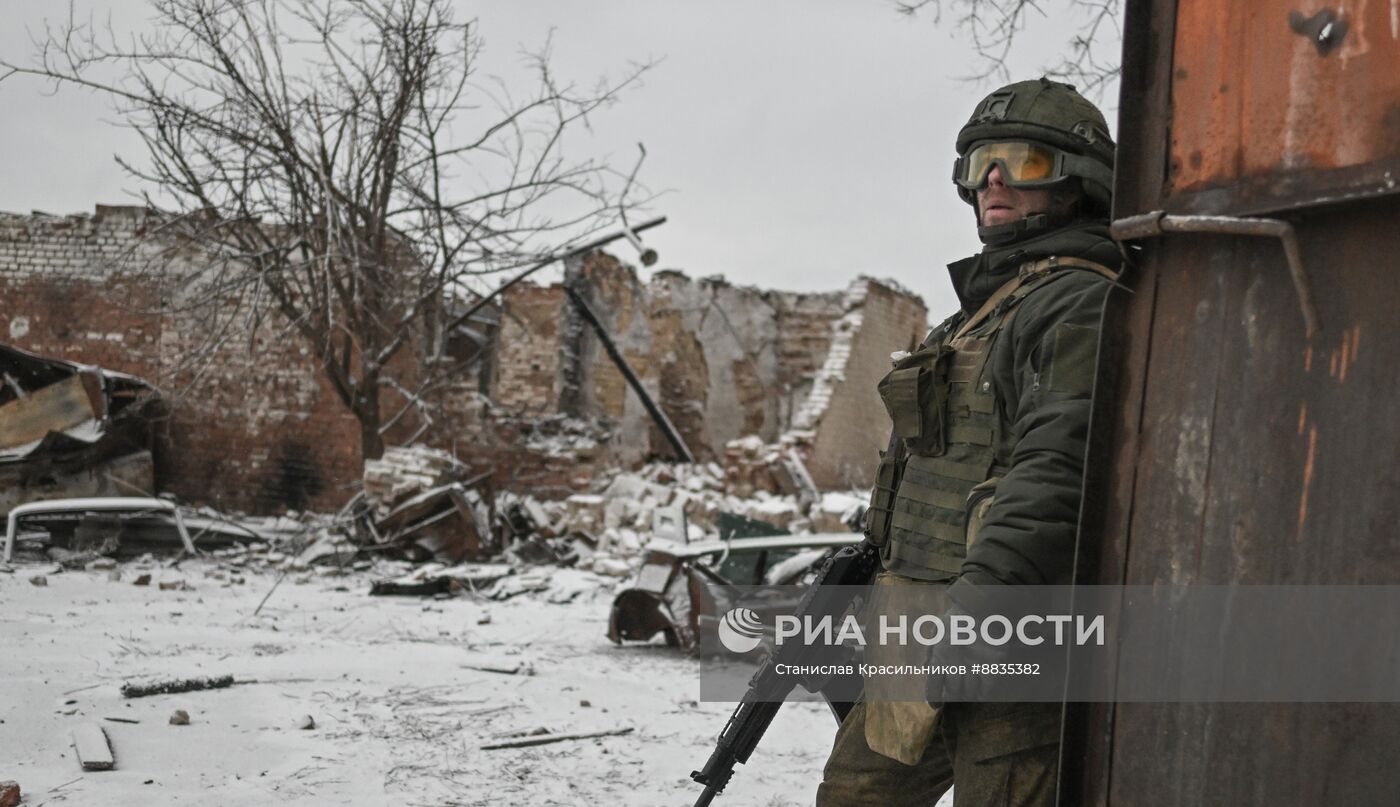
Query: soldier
[[992, 412]]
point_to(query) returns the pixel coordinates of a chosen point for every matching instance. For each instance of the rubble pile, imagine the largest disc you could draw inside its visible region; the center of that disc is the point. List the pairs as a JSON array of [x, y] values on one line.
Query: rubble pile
[[404, 472], [567, 437], [418, 500], [753, 466], [683, 503], [424, 529]]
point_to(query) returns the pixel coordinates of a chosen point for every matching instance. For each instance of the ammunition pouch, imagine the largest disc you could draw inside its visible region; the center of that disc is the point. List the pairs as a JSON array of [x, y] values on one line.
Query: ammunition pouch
[[881, 509], [915, 396]]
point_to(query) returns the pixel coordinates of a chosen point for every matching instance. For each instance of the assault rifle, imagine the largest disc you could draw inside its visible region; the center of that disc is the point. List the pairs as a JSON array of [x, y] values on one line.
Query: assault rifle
[[851, 566]]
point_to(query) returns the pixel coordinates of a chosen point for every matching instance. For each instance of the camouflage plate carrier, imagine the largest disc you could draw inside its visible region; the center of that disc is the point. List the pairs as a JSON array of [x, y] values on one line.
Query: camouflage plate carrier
[[936, 483]]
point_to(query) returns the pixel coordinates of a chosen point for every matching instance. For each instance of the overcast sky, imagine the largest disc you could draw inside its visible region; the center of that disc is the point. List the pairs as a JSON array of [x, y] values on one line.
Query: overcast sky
[[800, 142]]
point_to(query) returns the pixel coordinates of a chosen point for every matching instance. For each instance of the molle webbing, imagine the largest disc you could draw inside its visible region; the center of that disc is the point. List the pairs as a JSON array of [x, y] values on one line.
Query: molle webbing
[[927, 517]]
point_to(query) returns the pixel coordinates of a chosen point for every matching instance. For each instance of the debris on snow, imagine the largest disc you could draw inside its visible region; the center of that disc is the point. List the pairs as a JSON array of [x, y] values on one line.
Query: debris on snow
[[521, 668], [73, 430], [435, 578], [547, 738], [404, 472], [449, 522], [175, 686], [94, 750]]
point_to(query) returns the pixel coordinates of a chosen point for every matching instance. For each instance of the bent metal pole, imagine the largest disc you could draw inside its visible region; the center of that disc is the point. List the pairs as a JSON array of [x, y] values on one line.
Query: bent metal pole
[[664, 423], [630, 234]]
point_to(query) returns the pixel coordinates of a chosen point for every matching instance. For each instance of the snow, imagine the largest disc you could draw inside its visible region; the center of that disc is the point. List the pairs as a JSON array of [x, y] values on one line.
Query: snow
[[400, 712], [833, 371]]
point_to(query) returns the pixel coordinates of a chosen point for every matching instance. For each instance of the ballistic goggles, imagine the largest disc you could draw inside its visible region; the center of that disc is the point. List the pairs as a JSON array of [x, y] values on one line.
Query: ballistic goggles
[[1023, 164]]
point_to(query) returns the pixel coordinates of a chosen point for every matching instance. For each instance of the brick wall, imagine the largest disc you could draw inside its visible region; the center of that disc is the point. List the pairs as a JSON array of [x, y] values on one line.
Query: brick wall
[[526, 366], [257, 428], [853, 427]]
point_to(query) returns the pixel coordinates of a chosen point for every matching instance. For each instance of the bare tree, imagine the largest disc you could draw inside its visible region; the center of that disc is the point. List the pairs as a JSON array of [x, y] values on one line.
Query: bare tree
[[342, 163], [993, 26]]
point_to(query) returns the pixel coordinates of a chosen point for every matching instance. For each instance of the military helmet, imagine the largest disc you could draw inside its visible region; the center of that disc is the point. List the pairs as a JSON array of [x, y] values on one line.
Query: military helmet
[[1048, 112]]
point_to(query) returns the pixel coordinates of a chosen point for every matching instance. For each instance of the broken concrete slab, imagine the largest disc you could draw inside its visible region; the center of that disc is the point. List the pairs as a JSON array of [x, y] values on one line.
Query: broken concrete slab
[[93, 749]]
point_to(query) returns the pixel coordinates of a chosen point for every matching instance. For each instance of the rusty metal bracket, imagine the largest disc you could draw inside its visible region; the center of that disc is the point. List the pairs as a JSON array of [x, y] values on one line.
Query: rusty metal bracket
[[1149, 225]]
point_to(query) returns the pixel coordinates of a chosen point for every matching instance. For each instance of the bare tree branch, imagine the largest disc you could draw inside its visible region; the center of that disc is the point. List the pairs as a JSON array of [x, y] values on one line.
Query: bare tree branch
[[305, 158], [994, 26]]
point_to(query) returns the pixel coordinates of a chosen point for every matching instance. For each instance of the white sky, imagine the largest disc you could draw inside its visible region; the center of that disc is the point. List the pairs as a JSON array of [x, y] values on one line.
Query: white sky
[[801, 142]]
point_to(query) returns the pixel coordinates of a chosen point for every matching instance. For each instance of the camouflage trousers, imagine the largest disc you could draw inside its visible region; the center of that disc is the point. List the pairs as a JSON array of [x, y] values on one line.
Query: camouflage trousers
[[1003, 754]]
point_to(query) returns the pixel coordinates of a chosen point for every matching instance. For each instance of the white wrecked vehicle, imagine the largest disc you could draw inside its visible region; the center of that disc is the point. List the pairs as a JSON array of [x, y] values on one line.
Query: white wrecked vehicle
[[683, 588]]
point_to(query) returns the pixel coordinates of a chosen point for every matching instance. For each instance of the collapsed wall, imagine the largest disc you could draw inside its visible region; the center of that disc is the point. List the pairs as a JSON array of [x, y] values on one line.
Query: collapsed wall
[[843, 415], [722, 361], [254, 425]]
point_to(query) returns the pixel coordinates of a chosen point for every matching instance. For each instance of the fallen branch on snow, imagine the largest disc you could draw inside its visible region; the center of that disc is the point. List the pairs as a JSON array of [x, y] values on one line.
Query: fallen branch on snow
[[179, 685], [546, 739]]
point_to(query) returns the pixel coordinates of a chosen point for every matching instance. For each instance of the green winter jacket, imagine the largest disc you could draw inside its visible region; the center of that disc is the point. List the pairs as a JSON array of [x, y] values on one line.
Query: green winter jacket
[[1042, 367]]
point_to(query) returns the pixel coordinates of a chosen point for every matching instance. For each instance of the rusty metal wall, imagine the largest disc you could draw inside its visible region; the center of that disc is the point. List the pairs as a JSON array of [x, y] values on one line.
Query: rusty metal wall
[[1228, 446], [1277, 103]]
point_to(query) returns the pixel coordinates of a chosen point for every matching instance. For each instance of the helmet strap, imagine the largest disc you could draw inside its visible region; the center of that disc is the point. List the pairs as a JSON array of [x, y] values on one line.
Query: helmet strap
[[997, 235]]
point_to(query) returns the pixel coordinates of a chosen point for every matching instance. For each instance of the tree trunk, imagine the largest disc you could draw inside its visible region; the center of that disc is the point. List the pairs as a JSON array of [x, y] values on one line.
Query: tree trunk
[[370, 417]]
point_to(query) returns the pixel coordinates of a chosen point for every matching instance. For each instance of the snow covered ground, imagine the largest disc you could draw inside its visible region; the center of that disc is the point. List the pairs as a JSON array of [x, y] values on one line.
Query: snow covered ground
[[400, 711]]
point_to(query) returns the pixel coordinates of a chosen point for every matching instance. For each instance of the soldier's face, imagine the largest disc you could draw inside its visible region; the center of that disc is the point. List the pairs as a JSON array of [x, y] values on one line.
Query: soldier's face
[[999, 203]]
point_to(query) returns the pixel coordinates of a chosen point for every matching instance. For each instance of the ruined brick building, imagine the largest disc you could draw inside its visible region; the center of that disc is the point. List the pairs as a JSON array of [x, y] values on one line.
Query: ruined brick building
[[256, 427]]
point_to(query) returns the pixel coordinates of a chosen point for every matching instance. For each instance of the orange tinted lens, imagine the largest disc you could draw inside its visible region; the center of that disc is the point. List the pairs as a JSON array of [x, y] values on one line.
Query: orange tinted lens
[[1024, 162], [1036, 163]]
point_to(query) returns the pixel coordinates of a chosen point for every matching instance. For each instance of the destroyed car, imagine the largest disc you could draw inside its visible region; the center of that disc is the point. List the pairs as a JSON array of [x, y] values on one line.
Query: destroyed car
[[683, 590], [70, 530], [71, 430]]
